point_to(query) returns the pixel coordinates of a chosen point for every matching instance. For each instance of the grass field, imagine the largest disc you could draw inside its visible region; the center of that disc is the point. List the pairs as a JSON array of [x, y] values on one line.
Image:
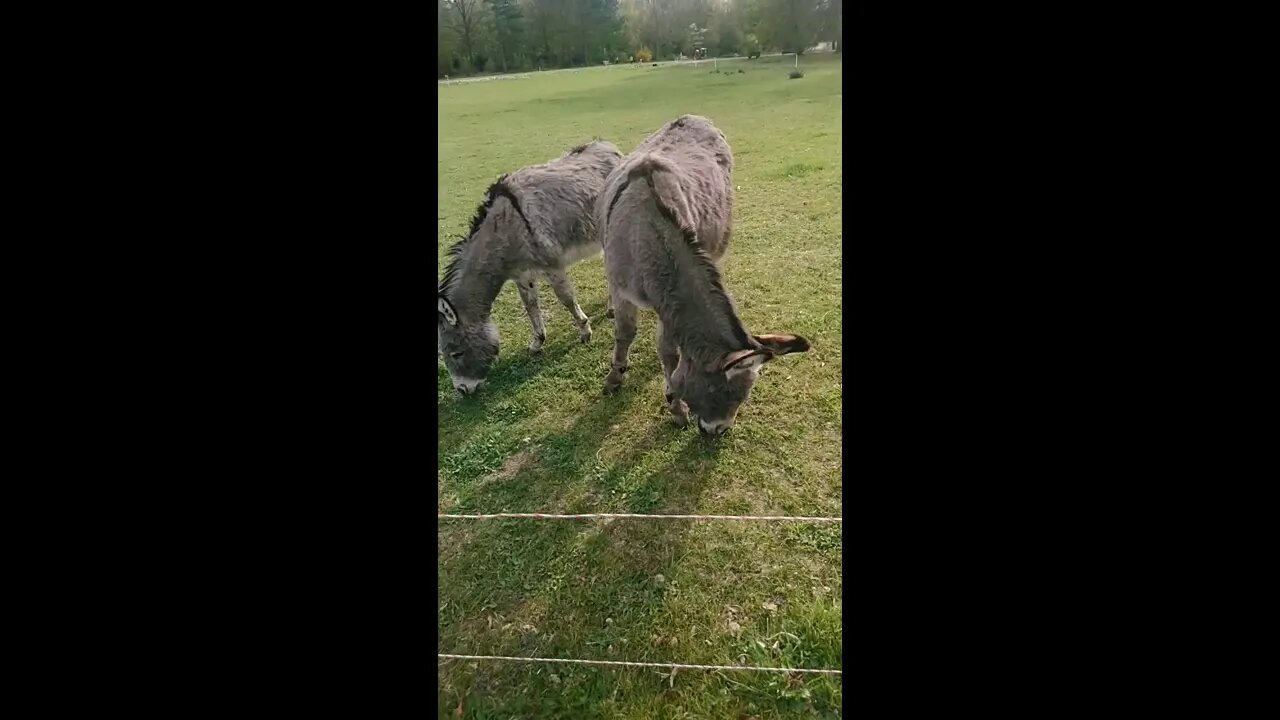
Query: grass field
[[541, 437]]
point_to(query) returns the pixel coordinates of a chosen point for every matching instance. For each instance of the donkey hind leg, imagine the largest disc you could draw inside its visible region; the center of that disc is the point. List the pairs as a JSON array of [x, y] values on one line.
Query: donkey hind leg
[[529, 295], [564, 291], [624, 332], [669, 354]]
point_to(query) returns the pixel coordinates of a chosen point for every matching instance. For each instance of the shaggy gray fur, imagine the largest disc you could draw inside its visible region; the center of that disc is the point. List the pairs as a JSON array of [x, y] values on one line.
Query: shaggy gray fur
[[665, 218], [536, 220]]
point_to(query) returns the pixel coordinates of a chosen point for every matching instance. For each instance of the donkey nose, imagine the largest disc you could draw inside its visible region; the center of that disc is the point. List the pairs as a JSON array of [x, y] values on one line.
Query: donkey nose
[[714, 428], [468, 387]]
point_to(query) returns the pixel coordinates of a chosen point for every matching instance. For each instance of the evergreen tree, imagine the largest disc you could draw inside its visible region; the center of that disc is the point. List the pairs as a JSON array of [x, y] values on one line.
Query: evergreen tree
[[508, 29]]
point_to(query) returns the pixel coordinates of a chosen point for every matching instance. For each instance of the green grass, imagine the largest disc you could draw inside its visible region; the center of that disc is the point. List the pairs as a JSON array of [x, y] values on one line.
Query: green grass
[[541, 437]]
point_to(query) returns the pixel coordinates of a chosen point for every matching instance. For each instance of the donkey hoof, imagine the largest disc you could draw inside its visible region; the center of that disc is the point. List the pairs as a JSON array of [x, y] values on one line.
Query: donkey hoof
[[535, 345], [612, 383], [585, 336], [609, 313], [679, 413]]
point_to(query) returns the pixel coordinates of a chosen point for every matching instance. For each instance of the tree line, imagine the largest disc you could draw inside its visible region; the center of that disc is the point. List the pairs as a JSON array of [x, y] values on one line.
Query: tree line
[[495, 36]]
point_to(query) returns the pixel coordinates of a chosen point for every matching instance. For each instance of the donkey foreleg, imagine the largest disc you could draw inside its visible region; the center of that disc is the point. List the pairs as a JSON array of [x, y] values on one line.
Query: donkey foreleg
[[669, 354], [564, 291], [529, 295], [624, 332]]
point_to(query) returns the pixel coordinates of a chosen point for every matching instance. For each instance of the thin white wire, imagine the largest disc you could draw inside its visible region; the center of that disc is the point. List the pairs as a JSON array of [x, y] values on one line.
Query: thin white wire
[[549, 516], [679, 666]]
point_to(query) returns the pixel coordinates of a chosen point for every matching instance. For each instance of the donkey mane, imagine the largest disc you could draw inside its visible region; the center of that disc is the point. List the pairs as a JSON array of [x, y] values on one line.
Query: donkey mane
[[584, 146], [451, 271], [498, 189]]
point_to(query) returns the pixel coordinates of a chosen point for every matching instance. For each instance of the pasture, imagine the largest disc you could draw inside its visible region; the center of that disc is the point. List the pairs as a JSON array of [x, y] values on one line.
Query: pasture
[[541, 437]]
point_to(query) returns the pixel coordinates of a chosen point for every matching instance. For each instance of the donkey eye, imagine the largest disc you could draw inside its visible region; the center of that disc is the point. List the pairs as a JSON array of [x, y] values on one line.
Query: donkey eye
[[455, 355]]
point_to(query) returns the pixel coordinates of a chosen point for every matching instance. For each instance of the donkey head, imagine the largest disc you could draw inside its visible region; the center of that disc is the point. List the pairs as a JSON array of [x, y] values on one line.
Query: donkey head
[[714, 393], [468, 346]]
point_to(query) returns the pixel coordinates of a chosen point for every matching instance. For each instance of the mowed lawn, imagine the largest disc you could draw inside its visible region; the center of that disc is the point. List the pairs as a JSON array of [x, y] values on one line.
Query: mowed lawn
[[541, 437]]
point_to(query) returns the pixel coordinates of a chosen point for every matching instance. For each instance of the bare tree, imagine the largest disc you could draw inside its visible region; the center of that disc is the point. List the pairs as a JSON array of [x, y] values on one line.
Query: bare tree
[[464, 20]]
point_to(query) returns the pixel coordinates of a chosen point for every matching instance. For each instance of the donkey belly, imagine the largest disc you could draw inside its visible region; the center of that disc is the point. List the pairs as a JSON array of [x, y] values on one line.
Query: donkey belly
[[581, 251], [635, 298], [624, 282]]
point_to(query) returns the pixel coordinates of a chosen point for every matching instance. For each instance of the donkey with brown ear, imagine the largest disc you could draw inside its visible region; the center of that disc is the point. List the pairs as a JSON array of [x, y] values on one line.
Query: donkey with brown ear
[[535, 221], [664, 219]]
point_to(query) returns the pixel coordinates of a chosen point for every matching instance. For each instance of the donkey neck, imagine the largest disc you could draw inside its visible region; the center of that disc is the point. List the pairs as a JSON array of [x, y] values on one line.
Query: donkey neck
[[487, 260], [483, 265], [695, 308]]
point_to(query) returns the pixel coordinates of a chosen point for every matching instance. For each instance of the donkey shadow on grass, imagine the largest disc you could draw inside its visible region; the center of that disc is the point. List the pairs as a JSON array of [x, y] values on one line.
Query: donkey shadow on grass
[[489, 571], [558, 472], [588, 589], [502, 575], [547, 470], [596, 589], [545, 587], [577, 588], [462, 417]]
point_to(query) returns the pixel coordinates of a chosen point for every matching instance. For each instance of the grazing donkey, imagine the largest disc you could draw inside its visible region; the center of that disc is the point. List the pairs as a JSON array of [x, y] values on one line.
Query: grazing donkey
[[664, 219], [536, 220]]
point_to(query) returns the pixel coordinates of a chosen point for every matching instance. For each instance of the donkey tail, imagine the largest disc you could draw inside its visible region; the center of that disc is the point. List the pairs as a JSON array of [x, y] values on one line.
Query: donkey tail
[[666, 189]]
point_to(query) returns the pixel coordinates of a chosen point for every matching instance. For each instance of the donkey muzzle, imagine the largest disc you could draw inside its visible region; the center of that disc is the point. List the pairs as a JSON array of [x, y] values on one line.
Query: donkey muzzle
[[714, 428]]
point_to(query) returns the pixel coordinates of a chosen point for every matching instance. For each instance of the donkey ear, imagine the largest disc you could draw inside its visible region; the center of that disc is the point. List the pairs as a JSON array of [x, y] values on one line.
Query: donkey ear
[[740, 361], [445, 310], [782, 344]]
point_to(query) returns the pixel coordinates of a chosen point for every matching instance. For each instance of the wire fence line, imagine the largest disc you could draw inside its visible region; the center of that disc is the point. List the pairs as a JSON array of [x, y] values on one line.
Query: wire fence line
[[627, 663], [617, 516]]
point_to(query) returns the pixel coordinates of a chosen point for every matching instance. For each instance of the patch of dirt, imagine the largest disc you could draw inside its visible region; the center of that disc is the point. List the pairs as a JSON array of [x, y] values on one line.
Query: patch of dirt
[[510, 468]]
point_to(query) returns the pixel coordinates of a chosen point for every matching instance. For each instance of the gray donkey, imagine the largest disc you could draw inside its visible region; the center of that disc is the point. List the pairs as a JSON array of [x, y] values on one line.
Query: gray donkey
[[536, 220], [665, 220]]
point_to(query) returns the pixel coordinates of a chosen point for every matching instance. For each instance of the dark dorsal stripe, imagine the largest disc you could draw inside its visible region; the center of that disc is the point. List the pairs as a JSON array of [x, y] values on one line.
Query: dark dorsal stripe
[[616, 197]]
